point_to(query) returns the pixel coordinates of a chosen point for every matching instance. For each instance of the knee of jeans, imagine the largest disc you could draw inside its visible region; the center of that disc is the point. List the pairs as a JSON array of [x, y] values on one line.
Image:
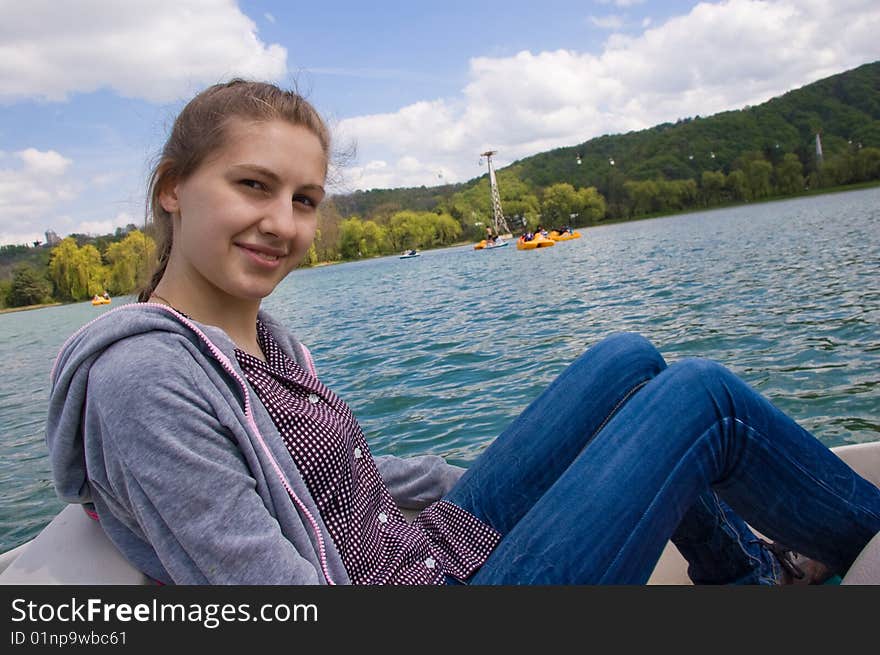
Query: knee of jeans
[[695, 374], [631, 345]]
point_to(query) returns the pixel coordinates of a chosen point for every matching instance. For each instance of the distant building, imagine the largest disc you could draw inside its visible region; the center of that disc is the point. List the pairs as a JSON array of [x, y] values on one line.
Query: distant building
[[52, 239]]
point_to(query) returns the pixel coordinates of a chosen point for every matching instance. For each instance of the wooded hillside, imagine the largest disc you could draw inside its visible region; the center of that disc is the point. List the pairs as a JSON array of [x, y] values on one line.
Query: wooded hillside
[[844, 109]]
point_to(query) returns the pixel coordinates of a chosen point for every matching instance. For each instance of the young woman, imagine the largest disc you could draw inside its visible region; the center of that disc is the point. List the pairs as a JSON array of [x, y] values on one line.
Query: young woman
[[196, 428]]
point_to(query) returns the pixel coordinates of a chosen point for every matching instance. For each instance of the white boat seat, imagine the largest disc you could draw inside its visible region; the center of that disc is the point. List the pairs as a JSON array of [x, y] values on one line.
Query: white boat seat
[[865, 459], [866, 568], [71, 550]]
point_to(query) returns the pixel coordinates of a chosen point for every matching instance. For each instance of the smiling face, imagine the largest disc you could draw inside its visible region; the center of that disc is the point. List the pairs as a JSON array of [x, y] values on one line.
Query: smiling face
[[246, 216]]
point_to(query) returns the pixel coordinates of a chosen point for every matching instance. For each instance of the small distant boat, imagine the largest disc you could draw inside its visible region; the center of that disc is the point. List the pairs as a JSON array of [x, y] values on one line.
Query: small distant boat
[[537, 241], [564, 235], [101, 300], [490, 245], [409, 254]]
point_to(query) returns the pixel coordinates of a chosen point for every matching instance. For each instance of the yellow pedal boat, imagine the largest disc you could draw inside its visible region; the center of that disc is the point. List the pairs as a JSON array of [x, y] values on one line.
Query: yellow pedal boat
[[564, 236], [538, 241]]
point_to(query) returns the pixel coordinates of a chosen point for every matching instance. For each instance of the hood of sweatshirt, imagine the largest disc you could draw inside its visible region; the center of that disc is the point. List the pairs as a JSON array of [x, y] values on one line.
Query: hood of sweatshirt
[[70, 374]]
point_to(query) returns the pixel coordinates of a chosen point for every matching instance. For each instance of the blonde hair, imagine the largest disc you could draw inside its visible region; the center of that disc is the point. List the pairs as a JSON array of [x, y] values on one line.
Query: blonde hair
[[200, 130]]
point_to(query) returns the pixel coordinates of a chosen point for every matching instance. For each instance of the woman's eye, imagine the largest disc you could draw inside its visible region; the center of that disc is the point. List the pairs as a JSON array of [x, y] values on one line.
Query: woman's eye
[[254, 184], [304, 200]]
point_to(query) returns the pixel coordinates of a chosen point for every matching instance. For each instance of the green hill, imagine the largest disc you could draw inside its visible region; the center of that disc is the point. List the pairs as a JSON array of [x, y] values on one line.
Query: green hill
[[844, 109]]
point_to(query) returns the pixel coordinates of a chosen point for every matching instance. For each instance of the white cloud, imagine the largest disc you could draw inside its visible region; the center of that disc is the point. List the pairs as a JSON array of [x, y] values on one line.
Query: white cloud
[[31, 187], [47, 163], [269, 17], [610, 22], [36, 186], [36, 182], [104, 227], [717, 57], [158, 50]]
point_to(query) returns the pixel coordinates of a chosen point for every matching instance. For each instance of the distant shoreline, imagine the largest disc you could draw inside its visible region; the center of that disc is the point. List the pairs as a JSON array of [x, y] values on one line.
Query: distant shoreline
[[9, 310], [813, 192], [859, 186]]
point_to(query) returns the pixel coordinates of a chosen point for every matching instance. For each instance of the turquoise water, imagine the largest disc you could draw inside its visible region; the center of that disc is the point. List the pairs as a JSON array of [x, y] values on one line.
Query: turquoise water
[[438, 353]]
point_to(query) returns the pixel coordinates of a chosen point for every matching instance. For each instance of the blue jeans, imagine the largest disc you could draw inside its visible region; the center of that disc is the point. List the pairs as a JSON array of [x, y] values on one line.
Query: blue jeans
[[621, 454]]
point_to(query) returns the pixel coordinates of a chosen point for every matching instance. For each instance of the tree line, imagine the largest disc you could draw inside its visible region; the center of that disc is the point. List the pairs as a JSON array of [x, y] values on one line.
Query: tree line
[[752, 178], [755, 153], [465, 214], [80, 267], [74, 272]]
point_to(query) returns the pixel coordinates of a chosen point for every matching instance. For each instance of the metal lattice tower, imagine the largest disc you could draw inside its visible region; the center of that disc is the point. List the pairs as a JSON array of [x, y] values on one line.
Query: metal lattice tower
[[501, 227]]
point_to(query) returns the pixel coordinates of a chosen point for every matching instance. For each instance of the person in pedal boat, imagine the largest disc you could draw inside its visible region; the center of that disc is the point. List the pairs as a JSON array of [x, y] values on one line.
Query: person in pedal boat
[[196, 427]]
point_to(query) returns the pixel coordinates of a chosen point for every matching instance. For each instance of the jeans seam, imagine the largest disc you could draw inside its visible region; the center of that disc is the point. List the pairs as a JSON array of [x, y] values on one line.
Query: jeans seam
[[819, 481], [614, 410], [780, 453], [647, 509], [731, 530]]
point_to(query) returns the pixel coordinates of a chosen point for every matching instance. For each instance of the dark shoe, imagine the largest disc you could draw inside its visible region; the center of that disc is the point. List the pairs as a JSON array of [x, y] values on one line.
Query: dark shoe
[[796, 568]]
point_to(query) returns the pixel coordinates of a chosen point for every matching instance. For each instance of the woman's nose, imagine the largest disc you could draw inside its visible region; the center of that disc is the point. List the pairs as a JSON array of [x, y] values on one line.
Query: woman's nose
[[279, 219]]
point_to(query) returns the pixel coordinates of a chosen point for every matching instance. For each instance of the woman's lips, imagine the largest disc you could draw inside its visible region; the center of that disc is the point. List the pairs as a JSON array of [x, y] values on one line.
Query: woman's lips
[[262, 255]]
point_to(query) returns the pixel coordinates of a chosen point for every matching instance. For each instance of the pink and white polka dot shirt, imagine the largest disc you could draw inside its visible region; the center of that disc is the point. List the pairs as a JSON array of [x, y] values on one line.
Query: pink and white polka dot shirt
[[376, 543]]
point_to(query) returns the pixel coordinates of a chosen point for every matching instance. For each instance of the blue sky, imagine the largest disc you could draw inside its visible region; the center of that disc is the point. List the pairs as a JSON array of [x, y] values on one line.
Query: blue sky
[[88, 88]]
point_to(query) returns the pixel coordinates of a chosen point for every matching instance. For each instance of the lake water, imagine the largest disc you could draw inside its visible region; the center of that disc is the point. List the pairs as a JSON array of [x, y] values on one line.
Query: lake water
[[438, 353]]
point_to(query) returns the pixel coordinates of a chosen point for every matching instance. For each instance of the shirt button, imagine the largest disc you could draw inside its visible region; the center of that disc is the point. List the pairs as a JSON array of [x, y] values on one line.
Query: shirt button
[[313, 398], [357, 453], [383, 518], [430, 562]]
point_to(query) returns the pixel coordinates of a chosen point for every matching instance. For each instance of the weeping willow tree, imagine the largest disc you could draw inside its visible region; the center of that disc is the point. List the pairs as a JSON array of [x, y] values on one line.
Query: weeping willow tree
[[129, 260], [76, 273]]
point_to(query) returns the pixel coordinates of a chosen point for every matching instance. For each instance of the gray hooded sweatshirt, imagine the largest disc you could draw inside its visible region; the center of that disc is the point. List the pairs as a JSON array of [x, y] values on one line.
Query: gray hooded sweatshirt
[[152, 421]]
